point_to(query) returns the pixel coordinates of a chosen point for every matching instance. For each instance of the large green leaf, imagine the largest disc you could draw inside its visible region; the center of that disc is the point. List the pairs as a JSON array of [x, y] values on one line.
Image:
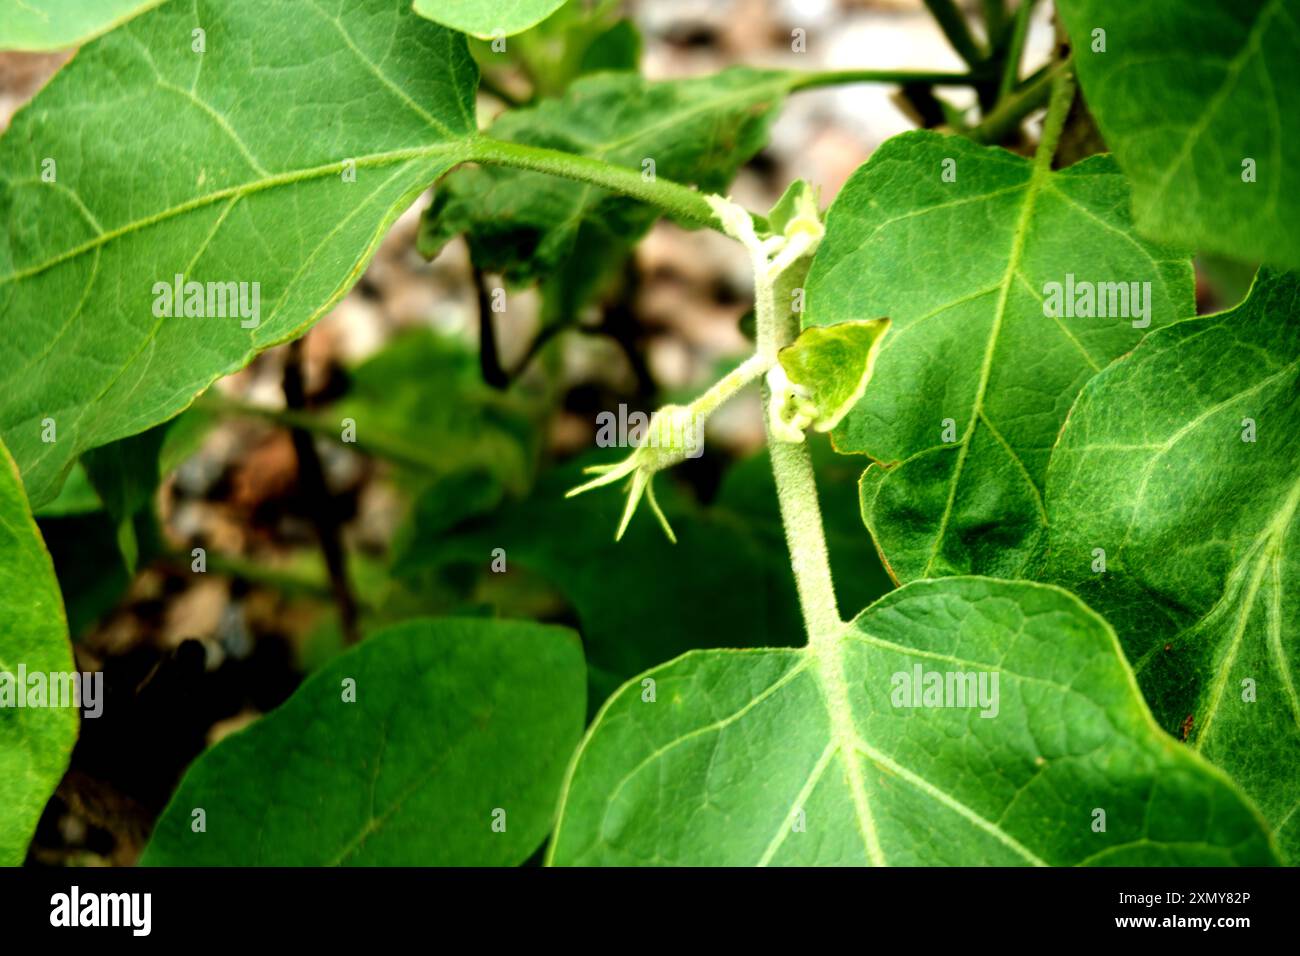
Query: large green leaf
[[787, 756], [1185, 93], [453, 721], [524, 224], [1200, 531], [961, 268], [35, 742], [488, 18], [51, 24], [223, 166]]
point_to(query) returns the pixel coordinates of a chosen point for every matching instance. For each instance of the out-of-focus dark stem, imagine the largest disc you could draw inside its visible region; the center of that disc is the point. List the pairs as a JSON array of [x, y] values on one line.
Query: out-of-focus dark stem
[[319, 504]]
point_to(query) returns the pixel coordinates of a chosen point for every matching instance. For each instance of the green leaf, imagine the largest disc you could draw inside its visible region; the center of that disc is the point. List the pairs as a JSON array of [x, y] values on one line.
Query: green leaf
[[1185, 94], [53, 24], [833, 364], [453, 720], [524, 224], [488, 18], [243, 182], [35, 742], [1179, 463], [125, 475], [785, 756], [973, 381]]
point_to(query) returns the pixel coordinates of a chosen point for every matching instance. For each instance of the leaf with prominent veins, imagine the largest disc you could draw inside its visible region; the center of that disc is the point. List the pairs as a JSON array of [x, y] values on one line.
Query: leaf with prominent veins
[[973, 382], [805, 756], [1203, 125], [1174, 501], [35, 742], [228, 166]]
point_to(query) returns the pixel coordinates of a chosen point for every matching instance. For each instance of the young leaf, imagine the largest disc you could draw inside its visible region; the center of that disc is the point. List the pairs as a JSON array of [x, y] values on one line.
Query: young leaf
[[1174, 506], [524, 224], [960, 246], [488, 19], [833, 364], [1202, 124], [453, 721], [53, 24], [784, 756], [35, 742], [246, 182]]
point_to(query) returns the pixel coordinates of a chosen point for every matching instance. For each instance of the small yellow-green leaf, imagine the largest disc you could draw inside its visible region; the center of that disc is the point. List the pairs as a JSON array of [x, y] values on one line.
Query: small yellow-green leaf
[[832, 364]]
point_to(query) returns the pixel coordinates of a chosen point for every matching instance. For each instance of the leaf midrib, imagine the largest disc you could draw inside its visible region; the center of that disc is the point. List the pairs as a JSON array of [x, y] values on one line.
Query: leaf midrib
[[459, 148]]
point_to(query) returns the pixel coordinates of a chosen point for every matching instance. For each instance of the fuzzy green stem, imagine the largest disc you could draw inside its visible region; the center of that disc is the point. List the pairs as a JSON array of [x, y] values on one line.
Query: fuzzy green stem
[[1058, 108], [813, 81], [796, 487], [1011, 111], [672, 197], [729, 385]]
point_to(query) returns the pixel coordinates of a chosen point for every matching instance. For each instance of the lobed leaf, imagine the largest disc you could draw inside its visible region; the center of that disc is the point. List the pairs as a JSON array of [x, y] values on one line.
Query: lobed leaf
[[962, 269], [1183, 118], [801, 756], [35, 742], [453, 720], [245, 182], [1174, 506]]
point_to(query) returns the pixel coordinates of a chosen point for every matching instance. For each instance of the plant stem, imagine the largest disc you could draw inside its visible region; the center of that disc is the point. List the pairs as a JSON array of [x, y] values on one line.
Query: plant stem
[[1020, 29], [321, 508], [730, 384], [796, 487], [1057, 111], [956, 29], [489, 359], [679, 200], [1011, 112], [812, 81]]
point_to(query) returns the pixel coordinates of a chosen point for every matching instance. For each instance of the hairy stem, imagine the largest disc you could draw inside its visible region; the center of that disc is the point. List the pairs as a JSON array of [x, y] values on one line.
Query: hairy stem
[[1057, 110], [796, 488], [1011, 111], [672, 197]]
